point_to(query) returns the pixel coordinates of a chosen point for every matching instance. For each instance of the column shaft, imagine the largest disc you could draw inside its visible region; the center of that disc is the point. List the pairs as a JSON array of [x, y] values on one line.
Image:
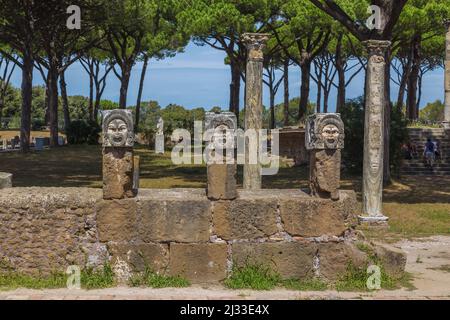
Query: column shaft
[[373, 132], [253, 104]]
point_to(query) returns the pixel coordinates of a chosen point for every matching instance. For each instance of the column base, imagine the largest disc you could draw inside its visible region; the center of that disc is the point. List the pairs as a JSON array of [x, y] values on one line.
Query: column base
[[374, 221], [446, 125]]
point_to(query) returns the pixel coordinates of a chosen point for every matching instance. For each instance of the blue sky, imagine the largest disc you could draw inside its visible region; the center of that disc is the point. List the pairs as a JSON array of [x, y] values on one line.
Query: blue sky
[[199, 78]]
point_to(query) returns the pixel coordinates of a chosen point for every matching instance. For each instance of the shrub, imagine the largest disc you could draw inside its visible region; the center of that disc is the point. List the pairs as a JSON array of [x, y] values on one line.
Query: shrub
[[353, 118], [37, 124], [81, 131]]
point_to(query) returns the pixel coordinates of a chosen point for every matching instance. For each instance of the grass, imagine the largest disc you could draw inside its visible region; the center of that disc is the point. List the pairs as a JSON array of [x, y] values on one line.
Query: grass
[[148, 278], [253, 276], [11, 280], [90, 279], [260, 277], [355, 279], [305, 285], [98, 279]]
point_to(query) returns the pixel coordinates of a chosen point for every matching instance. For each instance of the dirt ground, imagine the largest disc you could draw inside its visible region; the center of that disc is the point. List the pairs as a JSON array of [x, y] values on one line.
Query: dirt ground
[[428, 260]]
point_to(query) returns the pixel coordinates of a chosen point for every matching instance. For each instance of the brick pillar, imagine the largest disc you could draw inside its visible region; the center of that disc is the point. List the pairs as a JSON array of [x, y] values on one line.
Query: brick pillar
[[372, 191], [118, 160], [255, 44]]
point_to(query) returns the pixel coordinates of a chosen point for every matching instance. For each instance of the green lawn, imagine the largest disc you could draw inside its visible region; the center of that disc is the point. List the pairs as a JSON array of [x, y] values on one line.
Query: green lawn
[[416, 206]]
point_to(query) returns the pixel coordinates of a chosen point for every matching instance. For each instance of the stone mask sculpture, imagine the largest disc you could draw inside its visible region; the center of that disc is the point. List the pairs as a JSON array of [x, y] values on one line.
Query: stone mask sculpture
[[221, 127], [325, 139], [220, 135], [118, 128], [325, 131]]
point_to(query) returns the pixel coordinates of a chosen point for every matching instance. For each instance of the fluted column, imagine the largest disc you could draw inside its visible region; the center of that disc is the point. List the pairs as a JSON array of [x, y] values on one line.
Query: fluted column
[[372, 190], [255, 43]]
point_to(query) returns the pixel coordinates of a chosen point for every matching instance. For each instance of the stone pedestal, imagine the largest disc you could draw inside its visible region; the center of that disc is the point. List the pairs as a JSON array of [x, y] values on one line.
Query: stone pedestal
[[325, 173], [221, 182], [255, 44], [446, 122], [118, 173], [159, 144], [5, 180], [372, 190], [119, 177], [324, 139], [221, 165]]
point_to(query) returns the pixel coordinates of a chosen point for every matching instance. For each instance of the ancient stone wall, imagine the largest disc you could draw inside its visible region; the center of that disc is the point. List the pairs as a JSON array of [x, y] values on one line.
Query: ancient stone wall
[[177, 231]]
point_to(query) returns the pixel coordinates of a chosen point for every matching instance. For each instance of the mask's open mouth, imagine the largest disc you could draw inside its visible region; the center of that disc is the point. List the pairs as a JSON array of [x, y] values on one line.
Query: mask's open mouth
[[117, 139]]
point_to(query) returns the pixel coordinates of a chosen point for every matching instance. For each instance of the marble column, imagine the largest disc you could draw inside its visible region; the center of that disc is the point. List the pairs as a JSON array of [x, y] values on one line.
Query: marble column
[[372, 190], [447, 76], [255, 43]]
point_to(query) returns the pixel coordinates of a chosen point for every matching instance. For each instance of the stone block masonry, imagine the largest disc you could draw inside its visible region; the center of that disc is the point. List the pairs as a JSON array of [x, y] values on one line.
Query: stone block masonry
[[180, 232]]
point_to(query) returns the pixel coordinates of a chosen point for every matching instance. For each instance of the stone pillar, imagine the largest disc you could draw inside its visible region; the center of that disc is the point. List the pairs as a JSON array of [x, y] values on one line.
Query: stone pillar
[[5, 180], [255, 43], [118, 161], [324, 139], [446, 122], [221, 165], [372, 189], [159, 137]]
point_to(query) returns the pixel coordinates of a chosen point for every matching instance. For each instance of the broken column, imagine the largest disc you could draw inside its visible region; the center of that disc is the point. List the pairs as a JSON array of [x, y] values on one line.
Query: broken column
[[446, 122], [255, 43], [221, 165], [324, 140], [372, 189], [118, 161]]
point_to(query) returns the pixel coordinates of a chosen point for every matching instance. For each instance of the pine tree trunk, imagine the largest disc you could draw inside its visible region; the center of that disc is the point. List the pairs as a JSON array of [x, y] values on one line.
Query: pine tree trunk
[[27, 94], [272, 109], [141, 88], [235, 88], [304, 90], [413, 80], [124, 83], [286, 93], [91, 92], [65, 100], [53, 105], [341, 91]]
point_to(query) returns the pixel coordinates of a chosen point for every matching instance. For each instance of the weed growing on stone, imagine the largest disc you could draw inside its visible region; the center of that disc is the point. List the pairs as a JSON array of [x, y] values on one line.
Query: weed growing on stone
[[305, 285], [98, 279], [148, 278], [253, 276], [13, 280], [89, 278]]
